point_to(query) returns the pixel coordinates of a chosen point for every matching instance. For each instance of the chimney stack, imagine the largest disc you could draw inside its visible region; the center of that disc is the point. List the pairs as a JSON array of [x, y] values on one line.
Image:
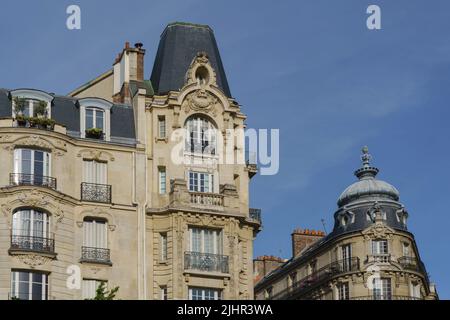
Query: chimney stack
[[302, 239], [128, 66], [264, 265]]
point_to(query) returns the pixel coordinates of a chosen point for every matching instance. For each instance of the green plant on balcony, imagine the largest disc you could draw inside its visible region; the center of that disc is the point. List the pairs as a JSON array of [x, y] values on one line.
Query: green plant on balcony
[[19, 109], [94, 133], [40, 109]]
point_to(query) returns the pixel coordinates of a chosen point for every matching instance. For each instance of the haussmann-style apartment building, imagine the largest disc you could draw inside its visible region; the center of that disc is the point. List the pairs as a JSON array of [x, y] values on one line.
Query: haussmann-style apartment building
[[369, 255], [87, 181]]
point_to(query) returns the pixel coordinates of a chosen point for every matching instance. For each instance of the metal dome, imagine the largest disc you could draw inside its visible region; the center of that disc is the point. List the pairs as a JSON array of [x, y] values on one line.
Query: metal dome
[[368, 185]]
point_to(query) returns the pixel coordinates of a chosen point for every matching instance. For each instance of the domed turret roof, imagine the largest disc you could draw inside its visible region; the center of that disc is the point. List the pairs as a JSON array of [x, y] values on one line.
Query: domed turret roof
[[368, 185]]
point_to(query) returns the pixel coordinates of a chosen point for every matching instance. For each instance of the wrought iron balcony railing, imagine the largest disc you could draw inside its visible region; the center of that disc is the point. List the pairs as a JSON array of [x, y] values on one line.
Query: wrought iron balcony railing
[[303, 286], [205, 262], [32, 243], [25, 179], [385, 297], [95, 192], [414, 264], [96, 255], [255, 214]]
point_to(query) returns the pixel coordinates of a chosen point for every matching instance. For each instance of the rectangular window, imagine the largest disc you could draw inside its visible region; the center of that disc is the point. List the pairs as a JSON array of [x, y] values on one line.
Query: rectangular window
[[382, 289], [89, 288], [95, 234], [163, 246], [379, 247], [29, 285], [161, 126], [201, 182], [162, 180], [94, 119], [204, 294], [31, 162], [163, 292], [94, 172], [406, 252], [346, 251], [206, 240], [343, 291]]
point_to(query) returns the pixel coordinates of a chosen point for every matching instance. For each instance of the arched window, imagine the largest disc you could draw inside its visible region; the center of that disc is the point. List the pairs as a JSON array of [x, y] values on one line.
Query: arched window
[[31, 230], [201, 136]]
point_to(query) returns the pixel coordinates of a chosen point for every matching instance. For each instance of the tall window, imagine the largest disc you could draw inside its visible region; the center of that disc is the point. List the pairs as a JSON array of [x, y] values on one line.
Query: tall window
[[201, 136], [206, 240], [30, 223], [95, 233], [89, 288], [379, 247], [343, 291], [204, 294], [31, 165], [29, 285], [94, 172], [162, 180], [406, 251], [163, 246], [201, 182], [346, 251], [95, 118], [161, 127], [382, 289]]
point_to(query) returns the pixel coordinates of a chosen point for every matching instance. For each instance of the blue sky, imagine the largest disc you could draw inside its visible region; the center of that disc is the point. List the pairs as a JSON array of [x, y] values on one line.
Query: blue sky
[[339, 85]]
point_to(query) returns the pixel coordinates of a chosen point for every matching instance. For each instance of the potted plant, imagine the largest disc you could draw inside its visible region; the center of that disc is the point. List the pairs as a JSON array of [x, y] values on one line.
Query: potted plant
[[33, 121], [94, 133], [40, 110], [19, 108]]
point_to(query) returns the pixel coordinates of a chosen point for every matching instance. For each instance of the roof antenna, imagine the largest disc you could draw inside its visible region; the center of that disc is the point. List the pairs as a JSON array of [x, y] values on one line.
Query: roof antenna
[[323, 224]]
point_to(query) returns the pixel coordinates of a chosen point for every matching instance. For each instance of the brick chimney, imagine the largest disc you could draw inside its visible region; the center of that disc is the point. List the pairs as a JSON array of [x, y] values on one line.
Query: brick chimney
[[128, 66], [302, 239], [263, 265]]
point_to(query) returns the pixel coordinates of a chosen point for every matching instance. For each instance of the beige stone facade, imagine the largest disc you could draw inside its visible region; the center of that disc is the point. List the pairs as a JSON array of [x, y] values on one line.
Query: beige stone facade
[[369, 255], [168, 230]]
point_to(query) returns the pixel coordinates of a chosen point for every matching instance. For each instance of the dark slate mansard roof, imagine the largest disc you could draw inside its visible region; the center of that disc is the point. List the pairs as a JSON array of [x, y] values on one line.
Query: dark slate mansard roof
[[66, 111], [179, 44]]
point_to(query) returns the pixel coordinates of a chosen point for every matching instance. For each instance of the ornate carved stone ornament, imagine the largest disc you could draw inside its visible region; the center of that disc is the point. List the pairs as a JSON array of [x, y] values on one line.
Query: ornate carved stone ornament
[[201, 101], [34, 199], [96, 155], [378, 231], [58, 148], [33, 260], [201, 66], [99, 213]]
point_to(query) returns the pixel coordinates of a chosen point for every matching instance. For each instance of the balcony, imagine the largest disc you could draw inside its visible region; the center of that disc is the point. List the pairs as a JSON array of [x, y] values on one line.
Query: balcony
[[24, 179], [414, 264], [207, 262], [93, 192], [206, 199], [32, 244], [378, 258], [304, 286], [95, 255], [255, 214], [388, 297]]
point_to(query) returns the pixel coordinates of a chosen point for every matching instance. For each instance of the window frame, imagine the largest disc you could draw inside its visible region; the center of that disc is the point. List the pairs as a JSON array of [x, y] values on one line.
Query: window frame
[[15, 283], [216, 293], [203, 182], [19, 158], [199, 243], [162, 180], [96, 103], [96, 240], [379, 246], [201, 133]]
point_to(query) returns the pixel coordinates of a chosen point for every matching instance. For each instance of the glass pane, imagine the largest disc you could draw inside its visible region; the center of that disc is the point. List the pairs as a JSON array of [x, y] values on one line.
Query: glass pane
[[38, 163], [89, 119], [26, 161], [99, 119]]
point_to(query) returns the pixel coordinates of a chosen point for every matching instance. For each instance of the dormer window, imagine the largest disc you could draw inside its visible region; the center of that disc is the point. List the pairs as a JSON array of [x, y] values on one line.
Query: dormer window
[[95, 123], [32, 108], [95, 118]]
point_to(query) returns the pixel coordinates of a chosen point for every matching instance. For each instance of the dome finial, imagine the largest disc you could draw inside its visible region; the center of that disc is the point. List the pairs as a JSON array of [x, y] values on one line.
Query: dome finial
[[367, 171], [365, 157]]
